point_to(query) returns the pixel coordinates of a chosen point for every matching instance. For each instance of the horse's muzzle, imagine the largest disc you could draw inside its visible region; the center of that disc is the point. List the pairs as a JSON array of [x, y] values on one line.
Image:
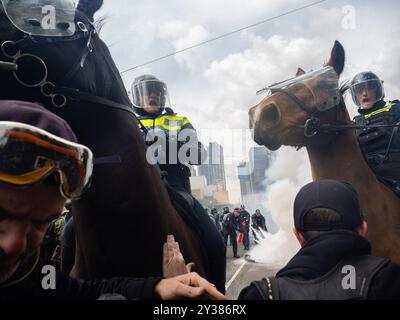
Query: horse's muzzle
[[262, 119]]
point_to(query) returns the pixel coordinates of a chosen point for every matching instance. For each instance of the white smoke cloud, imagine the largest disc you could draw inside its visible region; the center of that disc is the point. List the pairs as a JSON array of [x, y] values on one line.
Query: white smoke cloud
[[289, 171]]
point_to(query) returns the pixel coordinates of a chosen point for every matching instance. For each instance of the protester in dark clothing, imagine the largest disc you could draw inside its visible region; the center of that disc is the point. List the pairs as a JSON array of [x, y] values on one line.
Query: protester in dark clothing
[[51, 244], [258, 223], [230, 226], [28, 208], [217, 219], [68, 247], [221, 218], [244, 223], [67, 288], [214, 216], [331, 229]]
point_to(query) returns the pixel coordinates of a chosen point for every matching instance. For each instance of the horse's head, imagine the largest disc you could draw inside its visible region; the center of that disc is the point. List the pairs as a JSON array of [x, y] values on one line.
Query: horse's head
[[280, 119], [8, 30], [69, 55]]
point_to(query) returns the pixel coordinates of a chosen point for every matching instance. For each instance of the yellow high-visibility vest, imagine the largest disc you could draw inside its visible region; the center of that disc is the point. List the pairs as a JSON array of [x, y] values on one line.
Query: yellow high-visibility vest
[[386, 108], [165, 122]]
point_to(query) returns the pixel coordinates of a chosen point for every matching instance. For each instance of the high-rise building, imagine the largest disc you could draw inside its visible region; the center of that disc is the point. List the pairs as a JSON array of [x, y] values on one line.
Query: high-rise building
[[259, 162], [214, 169], [252, 174], [244, 176]]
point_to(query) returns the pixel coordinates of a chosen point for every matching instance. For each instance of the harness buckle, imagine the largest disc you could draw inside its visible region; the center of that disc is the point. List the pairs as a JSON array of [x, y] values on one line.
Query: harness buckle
[[311, 127]]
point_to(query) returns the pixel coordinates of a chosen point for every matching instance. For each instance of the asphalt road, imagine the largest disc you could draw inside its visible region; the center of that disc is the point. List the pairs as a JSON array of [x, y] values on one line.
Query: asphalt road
[[240, 273]]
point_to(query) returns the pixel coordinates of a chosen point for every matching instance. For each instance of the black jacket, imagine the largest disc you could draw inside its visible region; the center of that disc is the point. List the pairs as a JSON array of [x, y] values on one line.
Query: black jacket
[[72, 289], [322, 253], [258, 221], [244, 220], [230, 223], [374, 141]]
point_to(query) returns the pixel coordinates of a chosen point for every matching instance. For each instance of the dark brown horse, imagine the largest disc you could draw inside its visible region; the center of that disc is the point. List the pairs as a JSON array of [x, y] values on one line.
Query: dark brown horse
[[334, 153], [122, 220]]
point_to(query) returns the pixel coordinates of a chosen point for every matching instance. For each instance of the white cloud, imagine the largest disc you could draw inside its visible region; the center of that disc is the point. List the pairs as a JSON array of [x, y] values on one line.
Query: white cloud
[[182, 35]]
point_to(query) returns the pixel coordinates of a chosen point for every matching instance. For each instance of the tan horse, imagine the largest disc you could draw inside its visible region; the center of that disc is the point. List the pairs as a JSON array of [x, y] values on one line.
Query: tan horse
[[335, 154]]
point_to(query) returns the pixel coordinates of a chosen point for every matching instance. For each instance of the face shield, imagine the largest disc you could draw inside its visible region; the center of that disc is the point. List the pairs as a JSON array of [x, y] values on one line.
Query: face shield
[[28, 155], [323, 84], [367, 92], [150, 95], [55, 18]]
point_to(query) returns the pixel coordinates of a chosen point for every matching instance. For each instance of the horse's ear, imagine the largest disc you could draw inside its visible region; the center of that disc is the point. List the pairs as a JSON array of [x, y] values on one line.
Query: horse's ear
[[300, 72], [336, 60], [89, 7]]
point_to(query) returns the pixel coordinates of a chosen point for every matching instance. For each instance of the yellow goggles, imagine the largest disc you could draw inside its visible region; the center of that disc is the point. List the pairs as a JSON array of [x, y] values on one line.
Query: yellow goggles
[[28, 155]]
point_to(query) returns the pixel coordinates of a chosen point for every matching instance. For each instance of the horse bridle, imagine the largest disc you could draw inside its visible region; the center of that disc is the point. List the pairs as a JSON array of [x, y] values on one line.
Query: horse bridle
[[313, 124], [59, 95]]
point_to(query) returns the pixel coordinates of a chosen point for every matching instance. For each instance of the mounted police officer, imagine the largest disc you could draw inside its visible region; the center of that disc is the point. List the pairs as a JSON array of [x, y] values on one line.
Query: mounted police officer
[[175, 140], [173, 145], [380, 145], [335, 261]]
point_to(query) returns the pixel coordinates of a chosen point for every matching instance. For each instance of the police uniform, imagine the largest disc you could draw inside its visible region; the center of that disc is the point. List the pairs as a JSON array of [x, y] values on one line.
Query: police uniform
[[170, 124], [381, 146], [165, 124]]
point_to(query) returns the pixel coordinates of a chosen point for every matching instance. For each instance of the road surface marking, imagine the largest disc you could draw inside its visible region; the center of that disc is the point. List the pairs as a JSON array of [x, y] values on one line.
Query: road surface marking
[[234, 276]]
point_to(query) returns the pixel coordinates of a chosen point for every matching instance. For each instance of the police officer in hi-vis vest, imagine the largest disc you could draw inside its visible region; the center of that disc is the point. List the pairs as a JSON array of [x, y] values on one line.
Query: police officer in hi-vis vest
[[380, 145], [171, 138]]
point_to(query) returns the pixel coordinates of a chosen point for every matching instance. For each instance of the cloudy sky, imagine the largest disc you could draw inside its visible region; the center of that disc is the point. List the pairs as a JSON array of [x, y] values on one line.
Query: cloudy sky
[[214, 85]]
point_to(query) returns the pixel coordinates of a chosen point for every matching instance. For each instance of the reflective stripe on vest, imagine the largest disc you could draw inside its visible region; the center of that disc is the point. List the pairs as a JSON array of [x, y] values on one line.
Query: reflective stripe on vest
[[166, 122], [383, 109]]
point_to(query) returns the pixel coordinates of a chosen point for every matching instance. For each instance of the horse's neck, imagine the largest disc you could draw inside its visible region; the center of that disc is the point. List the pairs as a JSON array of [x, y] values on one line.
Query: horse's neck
[[341, 159]]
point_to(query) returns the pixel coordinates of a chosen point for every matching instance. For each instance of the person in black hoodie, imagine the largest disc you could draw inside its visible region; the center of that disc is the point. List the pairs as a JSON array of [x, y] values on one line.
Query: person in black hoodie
[[335, 260], [41, 166]]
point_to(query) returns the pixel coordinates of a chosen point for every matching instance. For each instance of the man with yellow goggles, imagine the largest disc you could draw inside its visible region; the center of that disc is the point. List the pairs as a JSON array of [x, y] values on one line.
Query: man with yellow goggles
[[38, 150]]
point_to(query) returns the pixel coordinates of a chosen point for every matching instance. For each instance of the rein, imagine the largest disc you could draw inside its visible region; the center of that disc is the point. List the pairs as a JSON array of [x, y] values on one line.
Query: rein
[[313, 124], [59, 95]]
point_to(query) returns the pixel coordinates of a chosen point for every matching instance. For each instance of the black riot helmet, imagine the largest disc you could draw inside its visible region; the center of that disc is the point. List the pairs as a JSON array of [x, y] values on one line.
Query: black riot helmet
[[366, 81], [149, 91]]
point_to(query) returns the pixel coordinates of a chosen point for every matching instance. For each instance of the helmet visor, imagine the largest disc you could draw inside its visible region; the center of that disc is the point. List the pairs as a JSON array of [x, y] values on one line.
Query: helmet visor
[[29, 155], [323, 84], [367, 92], [150, 94], [42, 17]]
